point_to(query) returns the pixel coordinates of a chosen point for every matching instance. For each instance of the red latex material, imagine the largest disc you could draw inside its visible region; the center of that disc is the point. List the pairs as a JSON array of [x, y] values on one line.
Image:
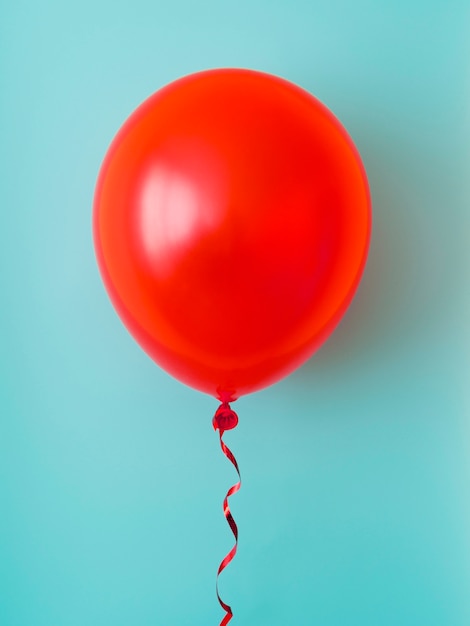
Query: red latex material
[[226, 419], [231, 225]]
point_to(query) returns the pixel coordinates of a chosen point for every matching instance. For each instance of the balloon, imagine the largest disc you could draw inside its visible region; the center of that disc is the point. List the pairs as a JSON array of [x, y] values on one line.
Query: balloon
[[231, 224]]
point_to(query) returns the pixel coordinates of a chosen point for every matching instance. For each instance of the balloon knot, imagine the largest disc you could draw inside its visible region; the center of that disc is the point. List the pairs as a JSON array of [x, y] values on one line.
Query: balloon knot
[[224, 418]]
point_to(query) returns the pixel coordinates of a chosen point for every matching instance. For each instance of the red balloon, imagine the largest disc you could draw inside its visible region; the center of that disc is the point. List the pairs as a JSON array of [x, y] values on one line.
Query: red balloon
[[231, 223]]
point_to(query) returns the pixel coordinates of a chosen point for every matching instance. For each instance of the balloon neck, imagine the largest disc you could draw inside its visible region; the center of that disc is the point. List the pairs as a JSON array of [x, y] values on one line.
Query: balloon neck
[[224, 418]]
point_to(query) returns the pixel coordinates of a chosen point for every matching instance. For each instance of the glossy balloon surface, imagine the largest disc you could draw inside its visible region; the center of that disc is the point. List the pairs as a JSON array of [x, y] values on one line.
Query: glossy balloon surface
[[231, 225]]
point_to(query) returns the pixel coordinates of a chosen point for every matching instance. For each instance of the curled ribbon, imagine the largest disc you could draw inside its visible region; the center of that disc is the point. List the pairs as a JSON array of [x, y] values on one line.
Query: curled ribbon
[[226, 419]]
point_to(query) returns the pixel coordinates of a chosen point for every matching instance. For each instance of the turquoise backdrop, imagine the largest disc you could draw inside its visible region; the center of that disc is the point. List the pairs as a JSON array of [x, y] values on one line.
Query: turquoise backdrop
[[355, 507]]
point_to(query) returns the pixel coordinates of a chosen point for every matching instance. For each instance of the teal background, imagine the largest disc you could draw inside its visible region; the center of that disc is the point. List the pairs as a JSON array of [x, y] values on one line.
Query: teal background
[[355, 505]]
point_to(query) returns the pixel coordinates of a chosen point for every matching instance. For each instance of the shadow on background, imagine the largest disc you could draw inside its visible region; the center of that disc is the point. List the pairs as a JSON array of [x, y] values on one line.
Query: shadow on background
[[379, 318]]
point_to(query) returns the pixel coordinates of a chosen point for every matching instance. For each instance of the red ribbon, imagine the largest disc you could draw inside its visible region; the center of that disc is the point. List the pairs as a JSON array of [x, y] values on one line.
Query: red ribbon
[[226, 419]]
